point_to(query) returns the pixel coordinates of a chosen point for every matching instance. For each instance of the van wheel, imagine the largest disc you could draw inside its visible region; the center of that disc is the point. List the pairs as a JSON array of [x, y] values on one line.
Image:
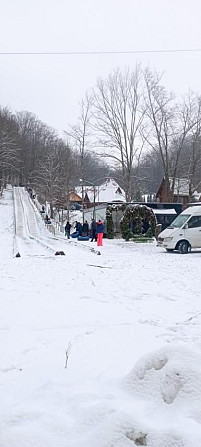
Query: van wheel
[[183, 247]]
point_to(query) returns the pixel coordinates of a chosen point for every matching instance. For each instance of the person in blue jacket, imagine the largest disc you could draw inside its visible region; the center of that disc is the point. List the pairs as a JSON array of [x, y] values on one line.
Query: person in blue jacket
[[99, 232], [78, 228]]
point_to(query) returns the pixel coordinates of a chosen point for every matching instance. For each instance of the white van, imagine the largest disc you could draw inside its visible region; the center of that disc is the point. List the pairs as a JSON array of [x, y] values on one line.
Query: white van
[[184, 232]]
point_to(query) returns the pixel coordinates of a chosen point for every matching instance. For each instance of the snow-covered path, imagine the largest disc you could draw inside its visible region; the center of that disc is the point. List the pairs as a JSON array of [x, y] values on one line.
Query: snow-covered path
[[31, 237], [26, 223], [134, 306]]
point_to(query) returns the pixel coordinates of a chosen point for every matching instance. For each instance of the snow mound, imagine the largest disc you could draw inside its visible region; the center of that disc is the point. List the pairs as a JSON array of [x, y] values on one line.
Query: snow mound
[[158, 405], [167, 383], [171, 374]]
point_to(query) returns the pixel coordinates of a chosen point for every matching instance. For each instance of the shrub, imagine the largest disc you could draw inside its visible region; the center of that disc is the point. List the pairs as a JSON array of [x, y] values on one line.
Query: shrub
[[110, 224]]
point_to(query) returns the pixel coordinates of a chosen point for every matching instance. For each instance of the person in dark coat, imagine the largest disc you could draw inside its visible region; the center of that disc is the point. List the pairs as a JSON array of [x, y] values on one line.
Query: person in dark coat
[[85, 228], [67, 230], [99, 232], [78, 228], [93, 230]]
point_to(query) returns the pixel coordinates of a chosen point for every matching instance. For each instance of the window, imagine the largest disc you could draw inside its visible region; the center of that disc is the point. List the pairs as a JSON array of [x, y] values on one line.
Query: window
[[179, 221], [194, 222]]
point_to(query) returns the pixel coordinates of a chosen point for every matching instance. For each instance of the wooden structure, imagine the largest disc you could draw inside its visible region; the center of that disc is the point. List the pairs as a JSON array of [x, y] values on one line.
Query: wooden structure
[[180, 193], [74, 197]]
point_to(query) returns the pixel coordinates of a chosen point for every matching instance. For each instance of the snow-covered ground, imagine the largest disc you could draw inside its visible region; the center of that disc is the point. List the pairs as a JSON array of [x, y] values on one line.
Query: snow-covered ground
[[97, 350]]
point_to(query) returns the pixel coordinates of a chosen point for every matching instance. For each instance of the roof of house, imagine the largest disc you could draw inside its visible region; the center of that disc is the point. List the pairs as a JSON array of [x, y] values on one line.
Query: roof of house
[[75, 197], [109, 191]]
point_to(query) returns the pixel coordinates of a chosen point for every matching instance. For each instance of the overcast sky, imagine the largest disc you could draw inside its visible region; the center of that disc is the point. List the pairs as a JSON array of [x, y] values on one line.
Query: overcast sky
[[51, 86]]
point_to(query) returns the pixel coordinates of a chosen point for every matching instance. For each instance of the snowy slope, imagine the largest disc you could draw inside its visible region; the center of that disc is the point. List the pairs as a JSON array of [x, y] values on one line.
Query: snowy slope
[[131, 320], [31, 236]]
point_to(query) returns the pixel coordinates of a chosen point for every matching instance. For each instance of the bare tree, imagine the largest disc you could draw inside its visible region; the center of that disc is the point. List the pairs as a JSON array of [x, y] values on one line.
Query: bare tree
[[67, 174], [48, 179], [191, 156], [9, 150], [118, 119], [160, 114], [7, 158], [78, 136], [194, 166], [170, 127], [35, 139]]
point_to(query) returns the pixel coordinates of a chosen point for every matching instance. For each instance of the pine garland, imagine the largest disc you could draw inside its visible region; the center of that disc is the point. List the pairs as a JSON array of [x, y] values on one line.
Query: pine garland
[[110, 224], [133, 222], [134, 219]]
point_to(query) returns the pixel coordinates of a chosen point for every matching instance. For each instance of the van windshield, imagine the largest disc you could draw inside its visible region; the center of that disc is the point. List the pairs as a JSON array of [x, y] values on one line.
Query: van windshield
[[179, 221]]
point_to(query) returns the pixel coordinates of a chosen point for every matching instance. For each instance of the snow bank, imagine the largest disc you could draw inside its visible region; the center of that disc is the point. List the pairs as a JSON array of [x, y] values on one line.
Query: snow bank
[[168, 382], [156, 405]]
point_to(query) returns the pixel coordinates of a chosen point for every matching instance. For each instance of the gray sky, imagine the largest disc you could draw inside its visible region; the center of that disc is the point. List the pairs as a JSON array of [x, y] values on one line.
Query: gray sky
[[51, 86]]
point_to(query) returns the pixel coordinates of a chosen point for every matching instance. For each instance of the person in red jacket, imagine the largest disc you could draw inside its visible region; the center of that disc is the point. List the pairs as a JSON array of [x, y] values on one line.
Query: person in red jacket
[[99, 232]]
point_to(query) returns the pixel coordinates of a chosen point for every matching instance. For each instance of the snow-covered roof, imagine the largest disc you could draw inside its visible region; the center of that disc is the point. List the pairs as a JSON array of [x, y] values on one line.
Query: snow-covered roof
[[109, 191], [193, 209], [164, 211], [196, 195], [78, 190], [89, 190]]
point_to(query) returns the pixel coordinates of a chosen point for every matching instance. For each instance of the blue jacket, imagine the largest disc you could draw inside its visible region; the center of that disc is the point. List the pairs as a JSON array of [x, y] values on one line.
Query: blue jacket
[[100, 228]]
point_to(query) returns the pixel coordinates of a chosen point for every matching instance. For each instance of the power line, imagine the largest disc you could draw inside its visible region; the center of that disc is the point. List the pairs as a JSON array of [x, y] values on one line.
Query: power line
[[83, 53]]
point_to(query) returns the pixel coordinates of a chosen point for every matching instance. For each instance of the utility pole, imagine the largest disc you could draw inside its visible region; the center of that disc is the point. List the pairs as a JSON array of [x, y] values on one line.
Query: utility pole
[[82, 200], [94, 213]]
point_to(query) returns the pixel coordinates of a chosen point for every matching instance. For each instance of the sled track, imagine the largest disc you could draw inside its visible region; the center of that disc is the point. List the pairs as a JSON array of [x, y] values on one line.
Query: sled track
[[27, 231]]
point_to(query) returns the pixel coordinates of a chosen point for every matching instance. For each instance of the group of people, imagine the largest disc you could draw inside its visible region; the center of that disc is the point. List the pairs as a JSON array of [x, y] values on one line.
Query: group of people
[[96, 230], [83, 230]]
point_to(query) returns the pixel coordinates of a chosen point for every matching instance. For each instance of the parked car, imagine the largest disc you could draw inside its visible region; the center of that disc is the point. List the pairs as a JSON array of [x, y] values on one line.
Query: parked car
[[184, 232]]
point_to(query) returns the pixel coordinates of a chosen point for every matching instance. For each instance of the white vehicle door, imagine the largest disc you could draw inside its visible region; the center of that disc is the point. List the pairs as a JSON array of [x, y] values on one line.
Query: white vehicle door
[[192, 231]]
